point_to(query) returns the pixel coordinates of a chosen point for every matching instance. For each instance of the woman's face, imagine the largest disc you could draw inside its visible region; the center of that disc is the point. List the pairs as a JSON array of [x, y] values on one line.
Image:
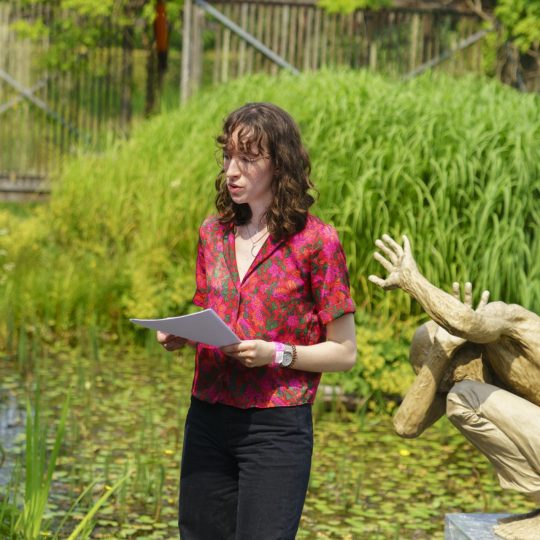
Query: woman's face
[[249, 174]]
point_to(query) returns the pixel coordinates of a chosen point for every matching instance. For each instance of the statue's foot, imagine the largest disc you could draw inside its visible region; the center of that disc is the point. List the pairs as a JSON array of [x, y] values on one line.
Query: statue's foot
[[520, 527]]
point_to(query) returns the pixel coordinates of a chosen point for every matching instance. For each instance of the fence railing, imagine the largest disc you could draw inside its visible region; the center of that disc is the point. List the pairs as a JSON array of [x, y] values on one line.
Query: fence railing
[[392, 41], [50, 111], [47, 113]]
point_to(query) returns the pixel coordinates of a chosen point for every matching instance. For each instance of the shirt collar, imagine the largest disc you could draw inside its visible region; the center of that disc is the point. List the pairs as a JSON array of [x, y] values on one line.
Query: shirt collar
[[269, 246]]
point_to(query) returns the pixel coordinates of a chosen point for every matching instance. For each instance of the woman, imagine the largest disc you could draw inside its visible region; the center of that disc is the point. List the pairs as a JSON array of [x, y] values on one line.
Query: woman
[[277, 276]]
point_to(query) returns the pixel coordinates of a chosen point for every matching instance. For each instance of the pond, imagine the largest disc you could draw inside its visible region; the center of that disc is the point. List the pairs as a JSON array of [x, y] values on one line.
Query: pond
[[126, 415]]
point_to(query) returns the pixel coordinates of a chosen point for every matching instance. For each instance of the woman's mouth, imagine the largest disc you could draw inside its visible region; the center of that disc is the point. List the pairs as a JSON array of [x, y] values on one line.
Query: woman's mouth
[[233, 188]]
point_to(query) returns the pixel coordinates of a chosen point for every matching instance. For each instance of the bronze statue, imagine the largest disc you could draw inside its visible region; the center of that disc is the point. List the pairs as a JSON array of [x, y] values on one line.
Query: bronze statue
[[481, 367]]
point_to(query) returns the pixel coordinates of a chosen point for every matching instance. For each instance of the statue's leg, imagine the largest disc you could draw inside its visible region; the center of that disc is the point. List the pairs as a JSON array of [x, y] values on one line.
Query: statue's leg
[[506, 429]]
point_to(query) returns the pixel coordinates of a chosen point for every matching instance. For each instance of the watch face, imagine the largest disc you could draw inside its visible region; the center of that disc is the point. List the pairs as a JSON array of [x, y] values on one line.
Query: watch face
[[287, 359]]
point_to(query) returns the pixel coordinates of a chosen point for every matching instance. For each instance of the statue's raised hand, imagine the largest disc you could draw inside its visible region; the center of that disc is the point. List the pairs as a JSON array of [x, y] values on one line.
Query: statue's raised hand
[[397, 260]]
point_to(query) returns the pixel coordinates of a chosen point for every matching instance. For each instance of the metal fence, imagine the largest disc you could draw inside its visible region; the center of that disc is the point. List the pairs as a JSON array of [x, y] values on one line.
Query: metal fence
[[306, 37], [52, 108], [96, 93]]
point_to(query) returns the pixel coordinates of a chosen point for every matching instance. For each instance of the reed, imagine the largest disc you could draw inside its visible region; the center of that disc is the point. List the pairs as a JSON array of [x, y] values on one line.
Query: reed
[[38, 471], [453, 163]]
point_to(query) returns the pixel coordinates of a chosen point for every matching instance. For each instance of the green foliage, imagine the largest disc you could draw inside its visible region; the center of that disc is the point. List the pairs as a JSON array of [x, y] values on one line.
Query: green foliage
[[348, 6], [78, 26], [518, 25], [382, 367], [521, 22], [452, 163]]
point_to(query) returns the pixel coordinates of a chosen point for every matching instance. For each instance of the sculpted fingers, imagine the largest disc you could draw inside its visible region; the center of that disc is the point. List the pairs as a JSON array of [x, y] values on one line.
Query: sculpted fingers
[[385, 284], [468, 294], [393, 244], [484, 299], [387, 251], [377, 280], [406, 245], [389, 267]]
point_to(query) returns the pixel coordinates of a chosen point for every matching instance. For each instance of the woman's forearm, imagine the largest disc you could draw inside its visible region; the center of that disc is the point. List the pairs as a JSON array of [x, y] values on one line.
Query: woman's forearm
[[337, 353], [327, 356]]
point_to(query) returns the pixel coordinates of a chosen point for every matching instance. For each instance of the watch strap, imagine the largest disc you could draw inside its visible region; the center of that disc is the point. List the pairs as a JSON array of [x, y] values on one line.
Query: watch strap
[[294, 355], [278, 353]]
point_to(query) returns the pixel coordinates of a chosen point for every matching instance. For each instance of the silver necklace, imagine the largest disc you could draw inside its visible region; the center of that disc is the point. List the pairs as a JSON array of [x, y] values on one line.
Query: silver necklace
[[254, 242]]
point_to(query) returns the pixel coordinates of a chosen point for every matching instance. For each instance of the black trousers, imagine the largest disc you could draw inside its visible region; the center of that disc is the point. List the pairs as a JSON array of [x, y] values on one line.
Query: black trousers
[[244, 472]]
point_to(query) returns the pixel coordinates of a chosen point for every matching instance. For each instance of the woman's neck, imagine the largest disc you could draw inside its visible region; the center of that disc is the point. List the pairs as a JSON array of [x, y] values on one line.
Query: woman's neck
[[258, 216]]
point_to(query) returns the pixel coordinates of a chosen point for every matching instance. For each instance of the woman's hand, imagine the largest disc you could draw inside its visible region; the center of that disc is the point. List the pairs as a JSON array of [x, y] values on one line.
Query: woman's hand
[[170, 343], [252, 352], [398, 262]]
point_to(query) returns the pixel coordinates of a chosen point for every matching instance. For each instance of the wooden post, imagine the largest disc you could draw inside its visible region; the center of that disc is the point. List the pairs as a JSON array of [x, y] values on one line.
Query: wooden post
[[350, 55], [128, 46], [235, 41], [225, 55], [185, 82], [413, 51], [293, 34], [252, 29], [259, 59], [324, 40], [242, 52], [309, 33], [267, 17], [272, 23], [373, 55], [316, 42], [301, 14], [197, 51], [218, 51], [192, 56], [284, 35]]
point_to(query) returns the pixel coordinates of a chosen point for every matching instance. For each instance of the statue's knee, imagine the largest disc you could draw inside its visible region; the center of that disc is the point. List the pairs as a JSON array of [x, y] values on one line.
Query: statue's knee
[[459, 405]]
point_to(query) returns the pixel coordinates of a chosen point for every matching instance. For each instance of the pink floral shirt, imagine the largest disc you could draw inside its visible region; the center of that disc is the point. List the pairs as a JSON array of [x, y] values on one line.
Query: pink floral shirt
[[292, 289]]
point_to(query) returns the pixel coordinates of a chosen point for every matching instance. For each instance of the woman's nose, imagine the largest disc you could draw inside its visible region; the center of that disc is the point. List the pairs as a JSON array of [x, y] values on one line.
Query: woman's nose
[[233, 169]]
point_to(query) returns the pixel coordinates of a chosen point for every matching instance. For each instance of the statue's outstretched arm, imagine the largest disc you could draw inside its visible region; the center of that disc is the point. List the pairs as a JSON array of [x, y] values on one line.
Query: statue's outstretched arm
[[458, 318]]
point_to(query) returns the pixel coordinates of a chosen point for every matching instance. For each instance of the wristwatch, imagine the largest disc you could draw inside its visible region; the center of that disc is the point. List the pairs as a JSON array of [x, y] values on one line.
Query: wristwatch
[[289, 356]]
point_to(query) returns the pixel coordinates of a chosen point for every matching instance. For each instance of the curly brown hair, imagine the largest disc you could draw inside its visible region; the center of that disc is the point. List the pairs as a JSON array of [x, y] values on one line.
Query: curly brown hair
[[274, 133]]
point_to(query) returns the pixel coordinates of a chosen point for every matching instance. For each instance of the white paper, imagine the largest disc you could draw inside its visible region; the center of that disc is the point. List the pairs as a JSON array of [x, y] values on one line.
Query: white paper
[[203, 327]]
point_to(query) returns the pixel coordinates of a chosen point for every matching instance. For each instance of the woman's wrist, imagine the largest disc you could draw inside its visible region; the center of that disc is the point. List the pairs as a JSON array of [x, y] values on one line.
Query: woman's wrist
[[285, 355], [279, 349]]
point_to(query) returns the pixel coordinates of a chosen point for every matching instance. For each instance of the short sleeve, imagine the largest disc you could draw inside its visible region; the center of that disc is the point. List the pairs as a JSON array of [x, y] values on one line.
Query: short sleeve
[[200, 297], [330, 278]]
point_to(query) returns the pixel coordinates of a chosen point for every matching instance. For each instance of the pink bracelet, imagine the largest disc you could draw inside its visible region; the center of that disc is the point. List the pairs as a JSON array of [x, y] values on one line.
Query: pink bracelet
[[278, 354]]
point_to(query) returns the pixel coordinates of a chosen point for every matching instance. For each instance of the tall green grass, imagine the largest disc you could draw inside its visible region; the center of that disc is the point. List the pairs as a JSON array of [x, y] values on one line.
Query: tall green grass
[[453, 163]]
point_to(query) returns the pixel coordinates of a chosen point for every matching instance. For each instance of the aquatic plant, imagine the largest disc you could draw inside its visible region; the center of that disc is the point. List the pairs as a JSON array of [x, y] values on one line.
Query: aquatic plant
[[454, 163]]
